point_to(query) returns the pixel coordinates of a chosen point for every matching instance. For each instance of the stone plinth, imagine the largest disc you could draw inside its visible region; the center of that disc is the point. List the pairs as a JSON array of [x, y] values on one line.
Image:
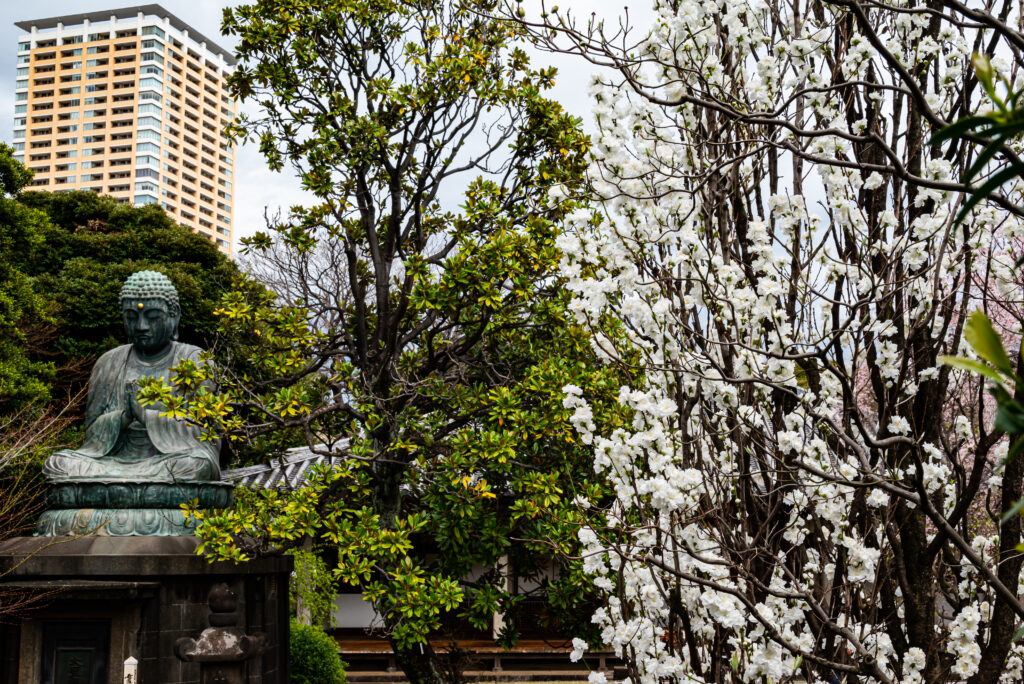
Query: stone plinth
[[125, 508], [135, 597]]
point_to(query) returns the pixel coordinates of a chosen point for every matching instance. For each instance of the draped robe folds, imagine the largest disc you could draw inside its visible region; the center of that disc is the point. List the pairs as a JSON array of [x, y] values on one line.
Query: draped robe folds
[[156, 448]]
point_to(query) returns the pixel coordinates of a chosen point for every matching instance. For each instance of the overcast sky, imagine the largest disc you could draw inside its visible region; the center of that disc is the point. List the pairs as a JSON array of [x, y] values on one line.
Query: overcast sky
[[256, 187]]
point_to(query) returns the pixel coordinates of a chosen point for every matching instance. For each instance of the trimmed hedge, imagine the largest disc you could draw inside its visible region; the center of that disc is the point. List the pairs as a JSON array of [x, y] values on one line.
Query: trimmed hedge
[[313, 656]]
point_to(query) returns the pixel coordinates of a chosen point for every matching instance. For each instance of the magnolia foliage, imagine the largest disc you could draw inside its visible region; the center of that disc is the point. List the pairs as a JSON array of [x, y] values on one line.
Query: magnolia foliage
[[805, 491]]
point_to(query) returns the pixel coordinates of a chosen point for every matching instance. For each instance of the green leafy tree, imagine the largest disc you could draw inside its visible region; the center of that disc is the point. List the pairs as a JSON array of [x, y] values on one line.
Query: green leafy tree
[[65, 257], [23, 379], [91, 243], [312, 588], [426, 344]]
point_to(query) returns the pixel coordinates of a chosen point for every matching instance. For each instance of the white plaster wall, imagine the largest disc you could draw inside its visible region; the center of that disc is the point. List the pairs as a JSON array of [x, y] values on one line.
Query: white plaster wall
[[350, 610]]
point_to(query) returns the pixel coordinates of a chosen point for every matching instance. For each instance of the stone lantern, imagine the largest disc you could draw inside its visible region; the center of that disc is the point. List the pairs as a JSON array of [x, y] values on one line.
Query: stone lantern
[[222, 649]]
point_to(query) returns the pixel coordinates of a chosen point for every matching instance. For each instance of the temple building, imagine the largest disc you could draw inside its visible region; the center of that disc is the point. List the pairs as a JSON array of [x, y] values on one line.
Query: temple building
[[132, 103]]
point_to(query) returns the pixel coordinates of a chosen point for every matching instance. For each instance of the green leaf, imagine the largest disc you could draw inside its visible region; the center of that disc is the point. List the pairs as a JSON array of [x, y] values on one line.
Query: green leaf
[[1014, 510], [973, 366], [1010, 418], [958, 128], [983, 69], [984, 158], [988, 188], [1015, 451], [984, 340]]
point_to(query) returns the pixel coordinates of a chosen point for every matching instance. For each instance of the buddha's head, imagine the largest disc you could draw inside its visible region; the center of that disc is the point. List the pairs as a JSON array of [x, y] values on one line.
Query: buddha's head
[[150, 310]]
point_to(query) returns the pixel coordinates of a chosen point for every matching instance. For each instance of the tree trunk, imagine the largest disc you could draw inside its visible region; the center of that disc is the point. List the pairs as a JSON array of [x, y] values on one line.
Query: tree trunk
[[417, 661]]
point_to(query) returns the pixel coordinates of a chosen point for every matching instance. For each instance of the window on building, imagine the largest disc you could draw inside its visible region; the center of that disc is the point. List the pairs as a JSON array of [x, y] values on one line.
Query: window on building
[[152, 31]]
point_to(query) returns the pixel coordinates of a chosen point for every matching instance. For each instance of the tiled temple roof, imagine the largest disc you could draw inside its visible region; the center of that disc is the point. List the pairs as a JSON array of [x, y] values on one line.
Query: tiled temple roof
[[287, 472]]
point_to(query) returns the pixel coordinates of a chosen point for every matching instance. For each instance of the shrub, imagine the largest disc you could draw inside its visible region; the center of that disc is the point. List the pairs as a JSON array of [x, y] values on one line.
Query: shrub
[[313, 656]]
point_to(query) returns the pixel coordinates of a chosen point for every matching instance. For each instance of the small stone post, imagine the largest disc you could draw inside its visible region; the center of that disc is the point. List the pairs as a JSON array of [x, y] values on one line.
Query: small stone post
[[131, 671], [222, 648]]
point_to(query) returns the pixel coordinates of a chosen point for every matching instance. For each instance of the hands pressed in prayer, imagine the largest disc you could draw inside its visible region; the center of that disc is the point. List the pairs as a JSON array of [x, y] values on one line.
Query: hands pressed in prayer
[[134, 410]]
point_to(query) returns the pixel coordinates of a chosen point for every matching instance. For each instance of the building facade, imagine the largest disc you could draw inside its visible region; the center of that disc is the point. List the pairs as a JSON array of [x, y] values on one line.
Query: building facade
[[131, 103]]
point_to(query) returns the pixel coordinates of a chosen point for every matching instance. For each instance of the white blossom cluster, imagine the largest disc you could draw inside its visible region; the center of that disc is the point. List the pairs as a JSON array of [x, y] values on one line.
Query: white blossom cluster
[[795, 444]]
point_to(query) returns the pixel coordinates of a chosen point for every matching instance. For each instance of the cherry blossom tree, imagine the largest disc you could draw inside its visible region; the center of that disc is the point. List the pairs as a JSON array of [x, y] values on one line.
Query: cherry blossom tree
[[805, 492]]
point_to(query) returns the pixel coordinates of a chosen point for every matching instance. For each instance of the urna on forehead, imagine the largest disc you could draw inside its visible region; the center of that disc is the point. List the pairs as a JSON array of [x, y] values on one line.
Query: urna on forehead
[[132, 304]]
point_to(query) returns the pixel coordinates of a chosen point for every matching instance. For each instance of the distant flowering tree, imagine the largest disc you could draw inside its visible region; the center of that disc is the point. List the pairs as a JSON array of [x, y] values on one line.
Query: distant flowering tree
[[805, 492]]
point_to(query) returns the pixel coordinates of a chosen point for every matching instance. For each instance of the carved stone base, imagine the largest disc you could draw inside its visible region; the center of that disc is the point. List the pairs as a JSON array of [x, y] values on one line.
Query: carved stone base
[[121, 508], [137, 494], [113, 522]]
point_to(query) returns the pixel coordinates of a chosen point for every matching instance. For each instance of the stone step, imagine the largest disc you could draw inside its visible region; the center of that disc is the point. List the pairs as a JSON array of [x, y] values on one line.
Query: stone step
[[532, 676]]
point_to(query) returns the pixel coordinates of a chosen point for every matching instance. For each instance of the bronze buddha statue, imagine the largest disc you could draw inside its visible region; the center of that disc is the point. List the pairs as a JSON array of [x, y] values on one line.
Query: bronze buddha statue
[[135, 466]]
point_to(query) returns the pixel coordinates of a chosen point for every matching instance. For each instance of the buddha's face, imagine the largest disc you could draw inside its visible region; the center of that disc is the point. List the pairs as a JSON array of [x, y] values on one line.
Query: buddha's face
[[150, 325]]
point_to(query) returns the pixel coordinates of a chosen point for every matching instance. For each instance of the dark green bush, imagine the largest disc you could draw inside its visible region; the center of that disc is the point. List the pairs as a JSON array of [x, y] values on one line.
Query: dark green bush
[[313, 656]]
